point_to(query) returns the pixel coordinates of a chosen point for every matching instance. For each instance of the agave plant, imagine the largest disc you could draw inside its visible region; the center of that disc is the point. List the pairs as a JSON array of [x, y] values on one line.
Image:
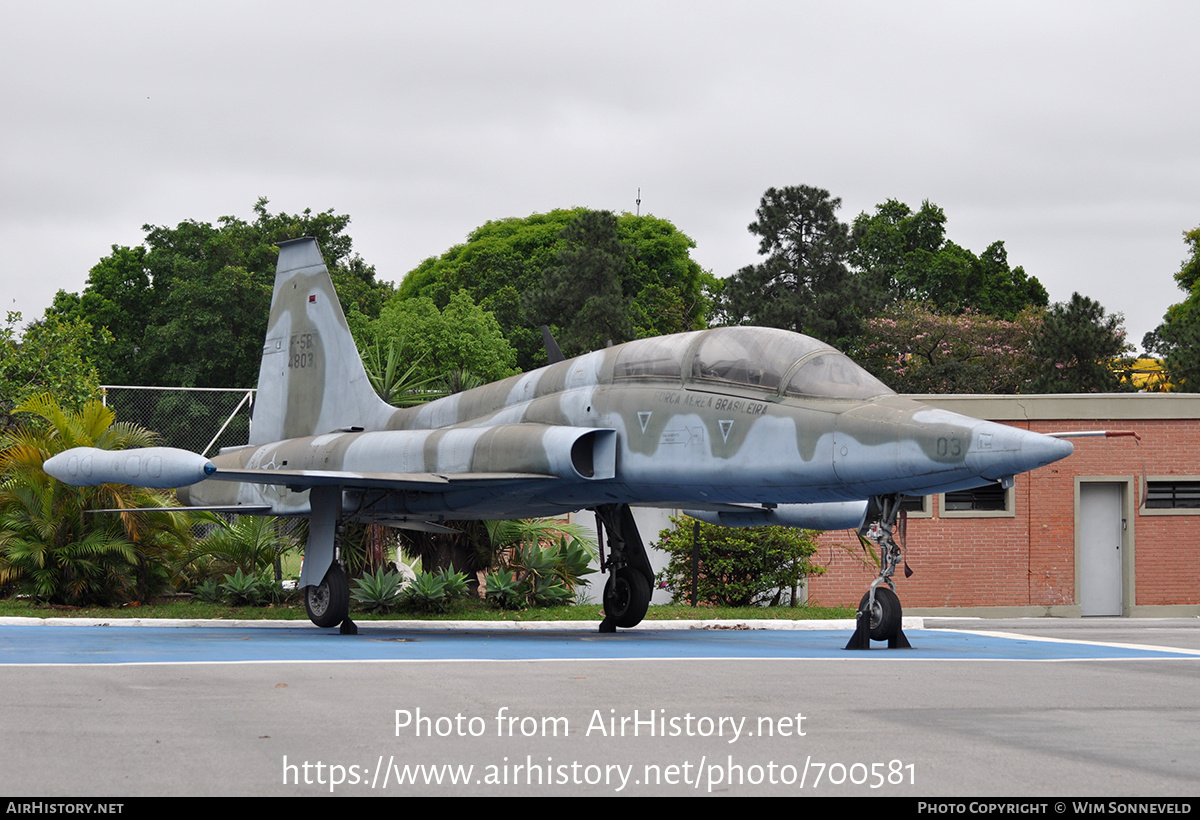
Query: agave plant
[[541, 562], [209, 592], [505, 590], [427, 593], [51, 544], [505, 536], [379, 591], [242, 589], [454, 582]]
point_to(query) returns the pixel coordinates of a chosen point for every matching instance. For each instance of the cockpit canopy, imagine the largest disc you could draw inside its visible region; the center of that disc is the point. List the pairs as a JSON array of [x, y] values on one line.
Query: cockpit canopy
[[769, 359]]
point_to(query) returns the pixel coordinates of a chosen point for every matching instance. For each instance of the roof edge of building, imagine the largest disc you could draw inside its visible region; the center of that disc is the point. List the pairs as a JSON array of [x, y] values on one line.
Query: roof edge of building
[[1068, 406]]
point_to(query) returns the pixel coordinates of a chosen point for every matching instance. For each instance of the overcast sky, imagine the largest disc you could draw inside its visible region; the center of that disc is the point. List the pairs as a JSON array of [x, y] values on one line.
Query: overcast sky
[[1070, 130]]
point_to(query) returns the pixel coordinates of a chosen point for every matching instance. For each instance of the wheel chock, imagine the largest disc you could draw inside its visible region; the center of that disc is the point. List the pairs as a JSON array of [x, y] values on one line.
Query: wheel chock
[[861, 639]]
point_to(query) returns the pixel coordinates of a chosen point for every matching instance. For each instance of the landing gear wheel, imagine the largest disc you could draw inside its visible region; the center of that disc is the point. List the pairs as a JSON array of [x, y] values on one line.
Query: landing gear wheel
[[328, 603], [884, 615], [626, 598]]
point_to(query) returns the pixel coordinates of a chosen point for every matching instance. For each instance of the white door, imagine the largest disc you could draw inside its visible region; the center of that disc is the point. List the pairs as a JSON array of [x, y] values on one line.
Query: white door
[[1100, 535]]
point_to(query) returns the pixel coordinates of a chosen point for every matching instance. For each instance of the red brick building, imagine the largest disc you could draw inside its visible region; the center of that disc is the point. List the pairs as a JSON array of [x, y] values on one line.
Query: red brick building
[[1111, 530]]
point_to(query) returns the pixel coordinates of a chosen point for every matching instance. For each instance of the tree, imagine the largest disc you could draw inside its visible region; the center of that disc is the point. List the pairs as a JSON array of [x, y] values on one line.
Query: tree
[[51, 545], [914, 349], [896, 248], [49, 356], [399, 388], [1177, 339], [1000, 290], [117, 299], [582, 295], [461, 339], [503, 266], [1079, 349], [906, 257], [188, 308], [803, 285]]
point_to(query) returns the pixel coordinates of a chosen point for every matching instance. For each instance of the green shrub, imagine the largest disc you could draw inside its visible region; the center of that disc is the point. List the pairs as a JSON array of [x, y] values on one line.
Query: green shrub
[[541, 546], [738, 566], [540, 576], [251, 543]]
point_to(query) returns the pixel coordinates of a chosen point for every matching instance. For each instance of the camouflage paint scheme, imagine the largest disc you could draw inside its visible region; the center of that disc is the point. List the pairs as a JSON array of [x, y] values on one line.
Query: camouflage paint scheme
[[652, 421], [743, 425]]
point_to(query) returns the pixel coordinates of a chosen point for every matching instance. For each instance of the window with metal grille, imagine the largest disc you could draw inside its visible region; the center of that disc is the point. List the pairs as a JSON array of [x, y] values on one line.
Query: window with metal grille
[[1173, 495], [989, 498]]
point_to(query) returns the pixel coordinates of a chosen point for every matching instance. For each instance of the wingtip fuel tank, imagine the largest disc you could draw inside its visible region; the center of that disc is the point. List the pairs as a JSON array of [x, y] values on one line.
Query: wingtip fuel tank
[[158, 467]]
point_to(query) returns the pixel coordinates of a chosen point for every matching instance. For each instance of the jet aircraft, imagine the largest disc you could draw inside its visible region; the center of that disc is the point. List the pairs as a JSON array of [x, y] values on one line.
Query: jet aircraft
[[740, 426]]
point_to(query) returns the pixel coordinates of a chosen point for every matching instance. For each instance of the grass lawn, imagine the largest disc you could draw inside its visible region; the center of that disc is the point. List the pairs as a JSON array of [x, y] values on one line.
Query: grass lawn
[[460, 611]]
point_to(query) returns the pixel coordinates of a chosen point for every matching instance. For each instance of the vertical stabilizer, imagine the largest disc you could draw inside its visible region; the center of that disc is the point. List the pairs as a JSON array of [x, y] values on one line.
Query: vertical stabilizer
[[311, 379]]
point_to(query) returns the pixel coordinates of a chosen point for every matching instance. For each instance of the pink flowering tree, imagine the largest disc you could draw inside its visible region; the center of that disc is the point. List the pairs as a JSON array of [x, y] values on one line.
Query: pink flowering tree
[[914, 349]]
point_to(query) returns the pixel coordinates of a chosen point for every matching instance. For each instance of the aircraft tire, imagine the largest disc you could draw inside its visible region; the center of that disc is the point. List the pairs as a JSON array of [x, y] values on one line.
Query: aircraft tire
[[885, 615], [626, 597], [328, 603]]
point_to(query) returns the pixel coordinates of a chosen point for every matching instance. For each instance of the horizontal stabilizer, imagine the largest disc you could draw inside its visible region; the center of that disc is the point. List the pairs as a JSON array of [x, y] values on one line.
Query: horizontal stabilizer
[[377, 480], [418, 526], [239, 509]]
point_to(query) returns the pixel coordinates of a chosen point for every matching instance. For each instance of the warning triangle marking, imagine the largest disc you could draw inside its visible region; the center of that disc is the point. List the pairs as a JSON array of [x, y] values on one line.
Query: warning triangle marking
[[644, 418]]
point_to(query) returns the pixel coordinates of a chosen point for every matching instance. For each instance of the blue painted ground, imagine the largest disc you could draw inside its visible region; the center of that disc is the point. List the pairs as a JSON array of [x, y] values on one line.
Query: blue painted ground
[[116, 645]]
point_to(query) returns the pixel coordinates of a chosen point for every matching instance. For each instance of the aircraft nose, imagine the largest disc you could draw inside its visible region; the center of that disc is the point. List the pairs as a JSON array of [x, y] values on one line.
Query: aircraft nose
[[999, 451]]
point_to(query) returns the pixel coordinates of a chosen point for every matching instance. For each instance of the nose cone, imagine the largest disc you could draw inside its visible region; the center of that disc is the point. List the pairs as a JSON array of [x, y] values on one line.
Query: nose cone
[[999, 451]]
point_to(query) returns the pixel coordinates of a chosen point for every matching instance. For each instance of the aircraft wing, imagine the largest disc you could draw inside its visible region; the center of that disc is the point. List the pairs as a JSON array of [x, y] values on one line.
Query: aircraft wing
[[463, 457]]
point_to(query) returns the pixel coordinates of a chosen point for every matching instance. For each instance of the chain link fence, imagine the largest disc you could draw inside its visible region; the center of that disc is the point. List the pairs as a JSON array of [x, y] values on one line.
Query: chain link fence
[[199, 419]]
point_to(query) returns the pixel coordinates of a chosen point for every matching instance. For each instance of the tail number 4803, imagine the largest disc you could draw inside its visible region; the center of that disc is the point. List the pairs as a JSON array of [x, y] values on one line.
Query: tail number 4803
[[301, 350]]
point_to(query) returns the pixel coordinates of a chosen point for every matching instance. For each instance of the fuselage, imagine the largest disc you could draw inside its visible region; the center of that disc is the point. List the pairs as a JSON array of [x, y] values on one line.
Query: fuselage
[[698, 420]]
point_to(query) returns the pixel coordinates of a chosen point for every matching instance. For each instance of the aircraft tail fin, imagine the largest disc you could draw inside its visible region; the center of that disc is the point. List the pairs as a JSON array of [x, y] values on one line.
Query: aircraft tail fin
[[311, 379]]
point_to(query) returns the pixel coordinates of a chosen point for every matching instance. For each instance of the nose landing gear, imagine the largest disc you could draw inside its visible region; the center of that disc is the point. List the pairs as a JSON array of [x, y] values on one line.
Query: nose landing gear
[[879, 613]]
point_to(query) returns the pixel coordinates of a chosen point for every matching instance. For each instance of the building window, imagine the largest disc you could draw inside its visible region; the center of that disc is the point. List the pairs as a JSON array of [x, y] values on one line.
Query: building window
[[917, 506], [1173, 495], [990, 500]]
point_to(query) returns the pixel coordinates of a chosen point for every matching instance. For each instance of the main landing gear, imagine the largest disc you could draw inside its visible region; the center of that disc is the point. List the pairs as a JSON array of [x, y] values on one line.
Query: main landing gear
[[630, 578], [879, 613], [326, 601]]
